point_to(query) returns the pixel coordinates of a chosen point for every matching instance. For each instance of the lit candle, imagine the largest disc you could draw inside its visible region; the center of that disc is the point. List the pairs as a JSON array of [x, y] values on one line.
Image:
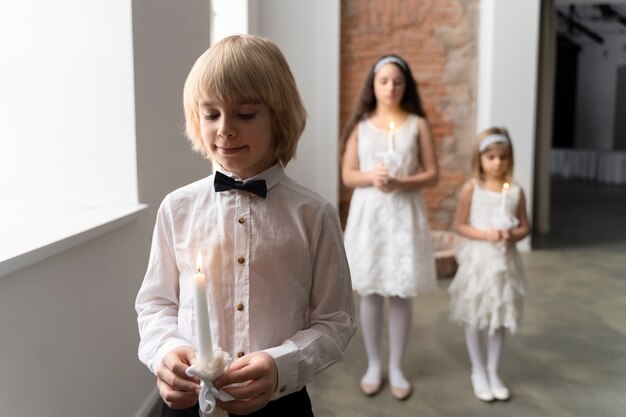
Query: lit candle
[[505, 188], [390, 144], [203, 327]]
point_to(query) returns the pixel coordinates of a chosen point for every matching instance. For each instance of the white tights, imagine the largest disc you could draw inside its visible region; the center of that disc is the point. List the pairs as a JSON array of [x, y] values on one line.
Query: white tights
[[399, 325], [473, 339]]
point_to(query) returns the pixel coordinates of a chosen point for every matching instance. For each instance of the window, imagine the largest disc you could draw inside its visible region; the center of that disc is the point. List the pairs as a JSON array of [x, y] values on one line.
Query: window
[[67, 126]]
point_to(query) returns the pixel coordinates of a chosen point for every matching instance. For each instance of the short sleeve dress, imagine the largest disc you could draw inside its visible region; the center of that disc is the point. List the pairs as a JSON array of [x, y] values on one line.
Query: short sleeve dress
[[488, 289], [387, 236]]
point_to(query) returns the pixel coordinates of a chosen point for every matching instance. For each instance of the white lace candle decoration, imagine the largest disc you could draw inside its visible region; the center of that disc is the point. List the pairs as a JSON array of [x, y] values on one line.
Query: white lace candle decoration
[[203, 326], [390, 140]]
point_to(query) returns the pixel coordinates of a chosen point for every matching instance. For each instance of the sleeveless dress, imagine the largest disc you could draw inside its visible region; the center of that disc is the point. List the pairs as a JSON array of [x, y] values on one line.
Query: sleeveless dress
[[488, 289], [387, 236]]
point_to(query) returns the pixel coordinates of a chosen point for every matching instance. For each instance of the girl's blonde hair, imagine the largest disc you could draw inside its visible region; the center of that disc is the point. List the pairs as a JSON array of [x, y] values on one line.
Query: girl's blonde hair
[[477, 170], [246, 68]]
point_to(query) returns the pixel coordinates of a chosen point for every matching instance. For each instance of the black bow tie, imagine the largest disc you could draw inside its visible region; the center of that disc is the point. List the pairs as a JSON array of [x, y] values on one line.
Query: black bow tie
[[224, 183]]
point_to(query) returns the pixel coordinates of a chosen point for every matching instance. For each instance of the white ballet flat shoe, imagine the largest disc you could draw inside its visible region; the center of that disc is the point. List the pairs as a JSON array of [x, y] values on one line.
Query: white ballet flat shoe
[[501, 394], [401, 394], [483, 394], [369, 390]]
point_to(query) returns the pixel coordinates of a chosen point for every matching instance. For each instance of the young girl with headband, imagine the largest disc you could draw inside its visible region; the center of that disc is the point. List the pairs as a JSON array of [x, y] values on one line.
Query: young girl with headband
[[387, 235], [487, 292]]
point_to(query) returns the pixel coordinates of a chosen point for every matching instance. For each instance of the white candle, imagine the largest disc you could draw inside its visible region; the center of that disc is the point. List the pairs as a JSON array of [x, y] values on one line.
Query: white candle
[[203, 327], [390, 144], [505, 188]]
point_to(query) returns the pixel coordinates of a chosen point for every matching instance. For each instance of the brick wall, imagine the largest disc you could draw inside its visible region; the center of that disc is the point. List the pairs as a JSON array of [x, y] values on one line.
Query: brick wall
[[438, 39]]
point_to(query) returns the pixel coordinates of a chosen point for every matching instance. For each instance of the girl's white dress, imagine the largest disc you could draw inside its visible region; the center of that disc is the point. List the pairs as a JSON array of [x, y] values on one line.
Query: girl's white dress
[[387, 236], [488, 289]]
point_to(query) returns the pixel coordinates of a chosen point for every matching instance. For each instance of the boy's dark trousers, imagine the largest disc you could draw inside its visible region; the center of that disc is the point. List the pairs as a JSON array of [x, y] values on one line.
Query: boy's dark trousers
[[296, 404]]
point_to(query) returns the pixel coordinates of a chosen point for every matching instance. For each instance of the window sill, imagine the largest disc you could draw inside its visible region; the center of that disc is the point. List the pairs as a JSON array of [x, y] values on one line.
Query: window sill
[[29, 236]]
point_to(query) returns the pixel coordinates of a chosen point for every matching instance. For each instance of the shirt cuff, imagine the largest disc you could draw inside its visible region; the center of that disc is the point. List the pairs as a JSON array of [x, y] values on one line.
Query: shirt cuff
[[165, 348], [286, 359]]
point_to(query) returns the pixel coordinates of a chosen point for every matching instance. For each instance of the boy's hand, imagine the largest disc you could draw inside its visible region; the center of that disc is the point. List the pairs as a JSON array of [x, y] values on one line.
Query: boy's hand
[[258, 373], [176, 388]]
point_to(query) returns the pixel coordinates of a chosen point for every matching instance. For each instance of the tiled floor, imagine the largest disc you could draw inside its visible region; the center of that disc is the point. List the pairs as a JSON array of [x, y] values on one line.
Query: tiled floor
[[569, 357]]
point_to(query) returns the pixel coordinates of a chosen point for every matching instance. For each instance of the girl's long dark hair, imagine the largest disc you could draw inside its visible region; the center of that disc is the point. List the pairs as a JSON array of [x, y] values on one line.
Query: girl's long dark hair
[[411, 102]]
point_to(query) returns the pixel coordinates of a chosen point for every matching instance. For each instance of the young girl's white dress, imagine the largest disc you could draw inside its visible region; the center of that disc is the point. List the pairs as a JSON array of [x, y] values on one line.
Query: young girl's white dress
[[488, 289], [387, 236]]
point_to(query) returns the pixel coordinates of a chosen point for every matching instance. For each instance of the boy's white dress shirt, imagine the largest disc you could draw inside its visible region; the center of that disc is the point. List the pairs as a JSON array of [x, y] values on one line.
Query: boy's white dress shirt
[[277, 275]]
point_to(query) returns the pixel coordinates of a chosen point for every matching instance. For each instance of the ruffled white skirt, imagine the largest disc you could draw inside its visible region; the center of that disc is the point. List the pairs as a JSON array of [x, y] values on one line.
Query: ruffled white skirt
[[488, 289]]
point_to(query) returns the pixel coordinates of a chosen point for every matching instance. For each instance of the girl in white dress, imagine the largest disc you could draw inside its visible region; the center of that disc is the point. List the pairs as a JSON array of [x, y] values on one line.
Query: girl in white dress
[[487, 292], [387, 237]]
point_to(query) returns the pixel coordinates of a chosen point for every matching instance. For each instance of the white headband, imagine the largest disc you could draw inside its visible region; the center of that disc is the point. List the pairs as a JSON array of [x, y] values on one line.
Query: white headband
[[491, 139], [388, 60]]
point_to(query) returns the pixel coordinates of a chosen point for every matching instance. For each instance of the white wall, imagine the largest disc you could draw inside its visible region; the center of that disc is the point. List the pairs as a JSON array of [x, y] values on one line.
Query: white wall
[[168, 38], [596, 92], [308, 34], [229, 17], [68, 325], [507, 79]]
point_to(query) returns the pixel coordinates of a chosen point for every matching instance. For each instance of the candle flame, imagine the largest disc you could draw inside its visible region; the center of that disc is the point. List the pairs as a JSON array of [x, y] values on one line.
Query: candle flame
[[505, 186], [392, 125], [199, 262]]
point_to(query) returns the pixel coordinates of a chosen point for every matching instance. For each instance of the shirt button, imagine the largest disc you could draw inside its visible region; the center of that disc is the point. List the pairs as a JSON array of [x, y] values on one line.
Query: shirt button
[[240, 307], [242, 220], [241, 259], [240, 354], [283, 389]]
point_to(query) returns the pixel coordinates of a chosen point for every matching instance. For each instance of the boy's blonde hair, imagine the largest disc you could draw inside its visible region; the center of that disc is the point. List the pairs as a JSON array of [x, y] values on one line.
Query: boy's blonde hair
[[477, 170], [246, 68]]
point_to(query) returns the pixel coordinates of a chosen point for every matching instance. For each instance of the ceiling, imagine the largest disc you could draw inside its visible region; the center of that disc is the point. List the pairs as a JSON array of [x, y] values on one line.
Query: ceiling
[[591, 23]]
